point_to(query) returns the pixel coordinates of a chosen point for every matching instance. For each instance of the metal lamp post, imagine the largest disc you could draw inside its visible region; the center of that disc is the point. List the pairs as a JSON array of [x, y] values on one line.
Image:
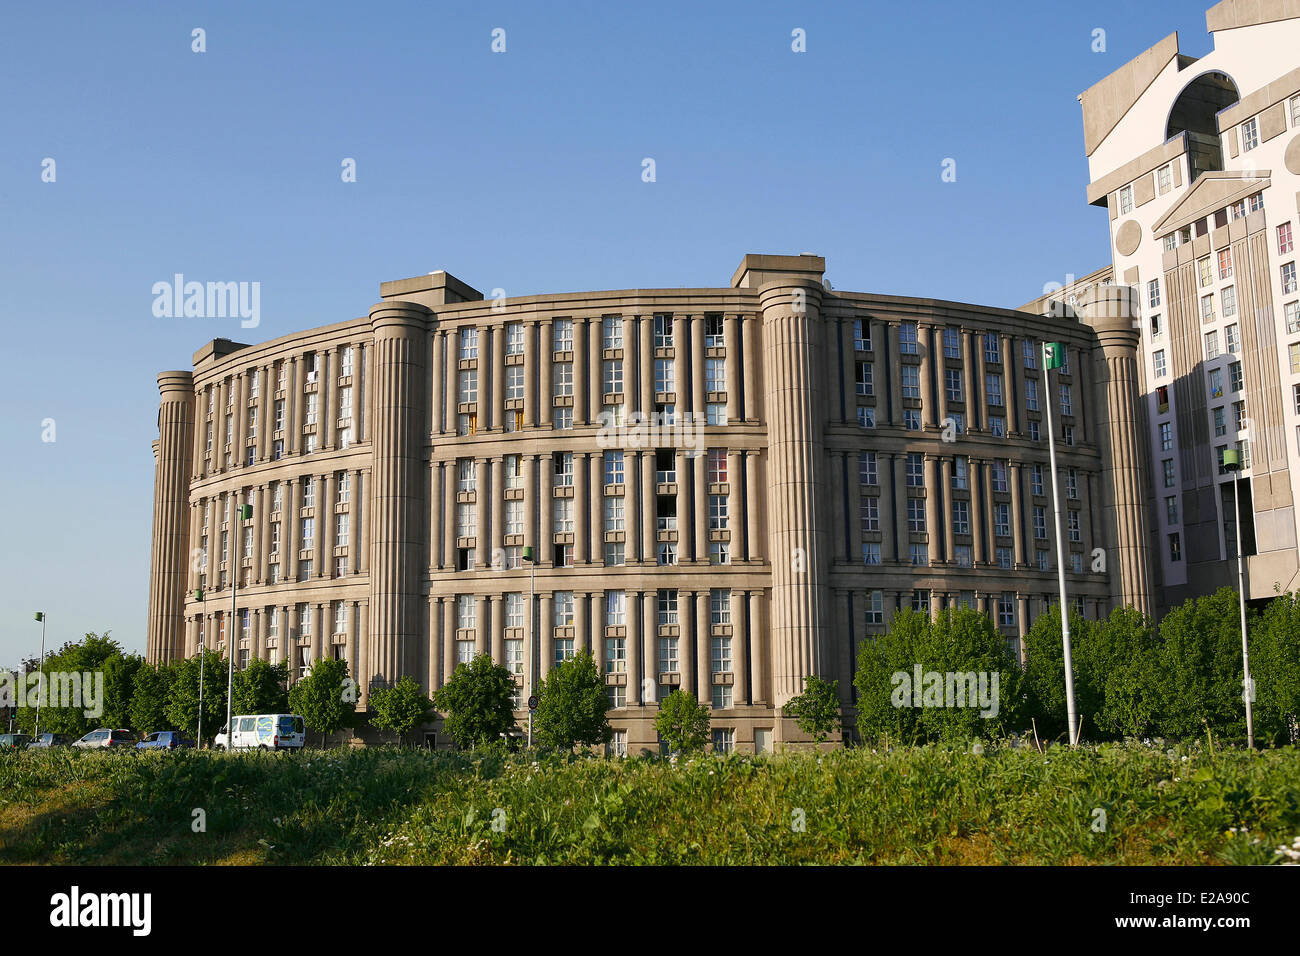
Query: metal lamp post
[[1054, 357], [531, 558], [1232, 464], [40, 673]]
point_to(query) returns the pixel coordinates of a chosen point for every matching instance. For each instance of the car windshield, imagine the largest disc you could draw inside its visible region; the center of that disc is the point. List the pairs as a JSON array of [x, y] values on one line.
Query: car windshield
[[290, 725]]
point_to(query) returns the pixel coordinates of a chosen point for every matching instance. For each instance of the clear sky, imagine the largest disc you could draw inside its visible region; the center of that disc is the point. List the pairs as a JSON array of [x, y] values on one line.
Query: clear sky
[[520, 170]]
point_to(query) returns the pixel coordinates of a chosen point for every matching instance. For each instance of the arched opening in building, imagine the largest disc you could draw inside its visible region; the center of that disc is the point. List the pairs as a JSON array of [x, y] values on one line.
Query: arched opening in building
[[1194, 113]]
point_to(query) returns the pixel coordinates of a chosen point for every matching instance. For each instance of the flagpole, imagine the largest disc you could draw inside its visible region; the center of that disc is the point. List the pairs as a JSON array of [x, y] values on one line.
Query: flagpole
[[1232, 463], [203, 654], [1048, 365]]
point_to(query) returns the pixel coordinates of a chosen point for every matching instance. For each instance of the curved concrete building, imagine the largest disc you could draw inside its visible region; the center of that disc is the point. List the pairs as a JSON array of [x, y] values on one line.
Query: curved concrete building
[[726, 489]]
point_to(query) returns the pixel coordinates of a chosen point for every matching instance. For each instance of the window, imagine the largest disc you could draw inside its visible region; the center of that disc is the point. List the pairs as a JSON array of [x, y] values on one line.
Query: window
[[1040, 523], [916, 515], [960, 516], [663, 331], [1239, 415], [1216, 382], [340, 531], [1126, 200], [1166, 436], [562, 336], [1175, 547], [1036, 480], [563, 601], [951, 344], [1153, 293], [1204, 271], [467, 392], [563, 515], [713, 330], [1230, 309], [665, 377], [1225, 263], [468, 344], [514, 338], [613, 377], [1234, 376], [907, 338], [870, 514], [615, 655], [867, 468], [918, 555], [1220, 422], [1292, 310], [1295, 111], [952, 384], [1164, 178], [1158, 357], [1285, 243], [717, 466], [875, 607], [992, 348], [999, 470], [715, 413], [612, 331], [715, 375], [864, 378], [717, 512], [563, 463], [1072, 484], [861, 335], [720, 613], [1030, 352], [1067, 402], [912, 419], [1073, 523], [1293, 352], [1288, 278], [614, 468], [959, 474], [915, 470], [279, 420], [993, 388], [1249, 134], [1233, 336], [1211, 345], [1031, 394], [466, 519], [1156, 330], [911, 379], [668, 654], [1007, 610], [1167, 466]]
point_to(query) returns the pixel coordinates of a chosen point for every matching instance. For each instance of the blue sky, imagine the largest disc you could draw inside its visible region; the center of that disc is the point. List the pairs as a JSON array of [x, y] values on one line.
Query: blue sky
[[519, 170]]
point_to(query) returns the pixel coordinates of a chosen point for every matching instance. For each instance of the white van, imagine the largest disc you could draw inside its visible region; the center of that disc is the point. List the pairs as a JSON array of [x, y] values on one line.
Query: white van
[[264, 732]]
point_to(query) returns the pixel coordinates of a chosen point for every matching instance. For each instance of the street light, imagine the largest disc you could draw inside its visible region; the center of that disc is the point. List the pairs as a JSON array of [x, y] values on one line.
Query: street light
[[40, 673], [245, 513], [202, 595], [1232, 463], [532, 631]]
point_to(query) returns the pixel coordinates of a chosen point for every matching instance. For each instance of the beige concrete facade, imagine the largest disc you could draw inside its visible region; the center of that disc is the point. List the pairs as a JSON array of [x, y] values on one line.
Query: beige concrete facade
[[728, 488], [1198, 163]]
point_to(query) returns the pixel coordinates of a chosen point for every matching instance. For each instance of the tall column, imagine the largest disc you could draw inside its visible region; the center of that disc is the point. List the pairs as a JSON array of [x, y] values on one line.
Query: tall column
[[531, 376], [632, 515], [595, 377], [482, 515], [927, 335], [438, 391], [933, 516], [397, 499], [448, 637], [496, 362], [1018, 513], [545, 509], [647, 370], [581, 621], [649, 647], [596, 506], [580, 386], [545, 635], [325, 527], [975, 481], [731, 339], [749, 332], [633, 650], [329, 391], [647, 479], [1111, 311], [688, 627], [361, 511], [448, 542], [699, 519], [483, 624], [759, 650], [498, 629], [581, 511], [796, 509], [698, 395], [754, 509], [170, 548], [945, 483], [703, 647], [528, 466], [452, 384], [545, 386], [496, 505], [740, 647], [681, 465]]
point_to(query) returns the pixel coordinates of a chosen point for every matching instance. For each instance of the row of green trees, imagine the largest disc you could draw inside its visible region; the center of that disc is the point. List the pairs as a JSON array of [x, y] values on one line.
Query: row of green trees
[[1178, 680]]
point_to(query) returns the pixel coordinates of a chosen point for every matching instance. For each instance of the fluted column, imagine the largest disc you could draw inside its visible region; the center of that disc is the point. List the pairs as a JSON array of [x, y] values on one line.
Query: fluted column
[[170, 550], [934, 494], [703, 648], [482, 516], [749, 333], [633, 651], [581, 512], [545, 386], [1111, 311], [731, 339], [647, 479], [596, 507], [649, 646], [1017, 513], [397, 495], [797, 491]]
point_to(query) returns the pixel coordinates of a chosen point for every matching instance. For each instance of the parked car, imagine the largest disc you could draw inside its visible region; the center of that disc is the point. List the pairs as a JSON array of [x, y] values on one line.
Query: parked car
[[47, 741], [164, 740], [14, 741], [264, 732], [105, 738]]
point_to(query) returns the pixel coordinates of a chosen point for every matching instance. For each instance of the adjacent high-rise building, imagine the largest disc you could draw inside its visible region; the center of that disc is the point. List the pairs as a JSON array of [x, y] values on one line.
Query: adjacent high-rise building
[[726, 489], [1198, 163]]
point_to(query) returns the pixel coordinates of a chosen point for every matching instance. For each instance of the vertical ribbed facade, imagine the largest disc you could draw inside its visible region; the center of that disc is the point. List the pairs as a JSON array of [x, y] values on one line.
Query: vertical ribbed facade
[[1113, 314], [794, 381], [397, 497], [169, 558]]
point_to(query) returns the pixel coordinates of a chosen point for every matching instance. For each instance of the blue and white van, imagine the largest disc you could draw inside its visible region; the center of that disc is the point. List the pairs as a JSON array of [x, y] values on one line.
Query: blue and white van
[[263, 732]]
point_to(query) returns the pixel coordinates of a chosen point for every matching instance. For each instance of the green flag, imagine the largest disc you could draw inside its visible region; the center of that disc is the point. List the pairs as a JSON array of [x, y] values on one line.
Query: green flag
[[528, 553], [198, 595], [1231, 459], [1053, 354], [245, 512], [40, 615]]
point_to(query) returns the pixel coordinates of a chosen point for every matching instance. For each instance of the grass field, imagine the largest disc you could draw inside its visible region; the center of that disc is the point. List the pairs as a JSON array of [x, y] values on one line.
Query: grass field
[[1128, 804]]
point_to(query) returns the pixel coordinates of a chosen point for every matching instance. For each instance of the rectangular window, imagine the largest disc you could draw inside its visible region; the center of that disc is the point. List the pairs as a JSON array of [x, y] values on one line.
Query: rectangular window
[[468, 344], [1036, 480], [562, 335], [870, 514], [467, 393], [1167, 466], [1211, 344], [1164, 178], [1285, 243], [1030, 351], [960, 516], [1153, 293], [1230, 305], [907, 338], [959, 474], [1125, 200], [1166, 436], [715, 375], [915, 470], [1067, 402], [867, 474], [1158, 358], [1031, 394], [1288, 278], [911, 377], [1234, 376], [1292, 311], [1233, 336], [1204, 271], [952, 384], [612, 331], [1249, 134], [663, 331], [861, 335], [916, 515], [665, 376], [1225, 263], [1175, 547], [614, 468], [613, 376], [514, 338], [951, 344], [1040, 522], [714, 337], [864, 379]]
